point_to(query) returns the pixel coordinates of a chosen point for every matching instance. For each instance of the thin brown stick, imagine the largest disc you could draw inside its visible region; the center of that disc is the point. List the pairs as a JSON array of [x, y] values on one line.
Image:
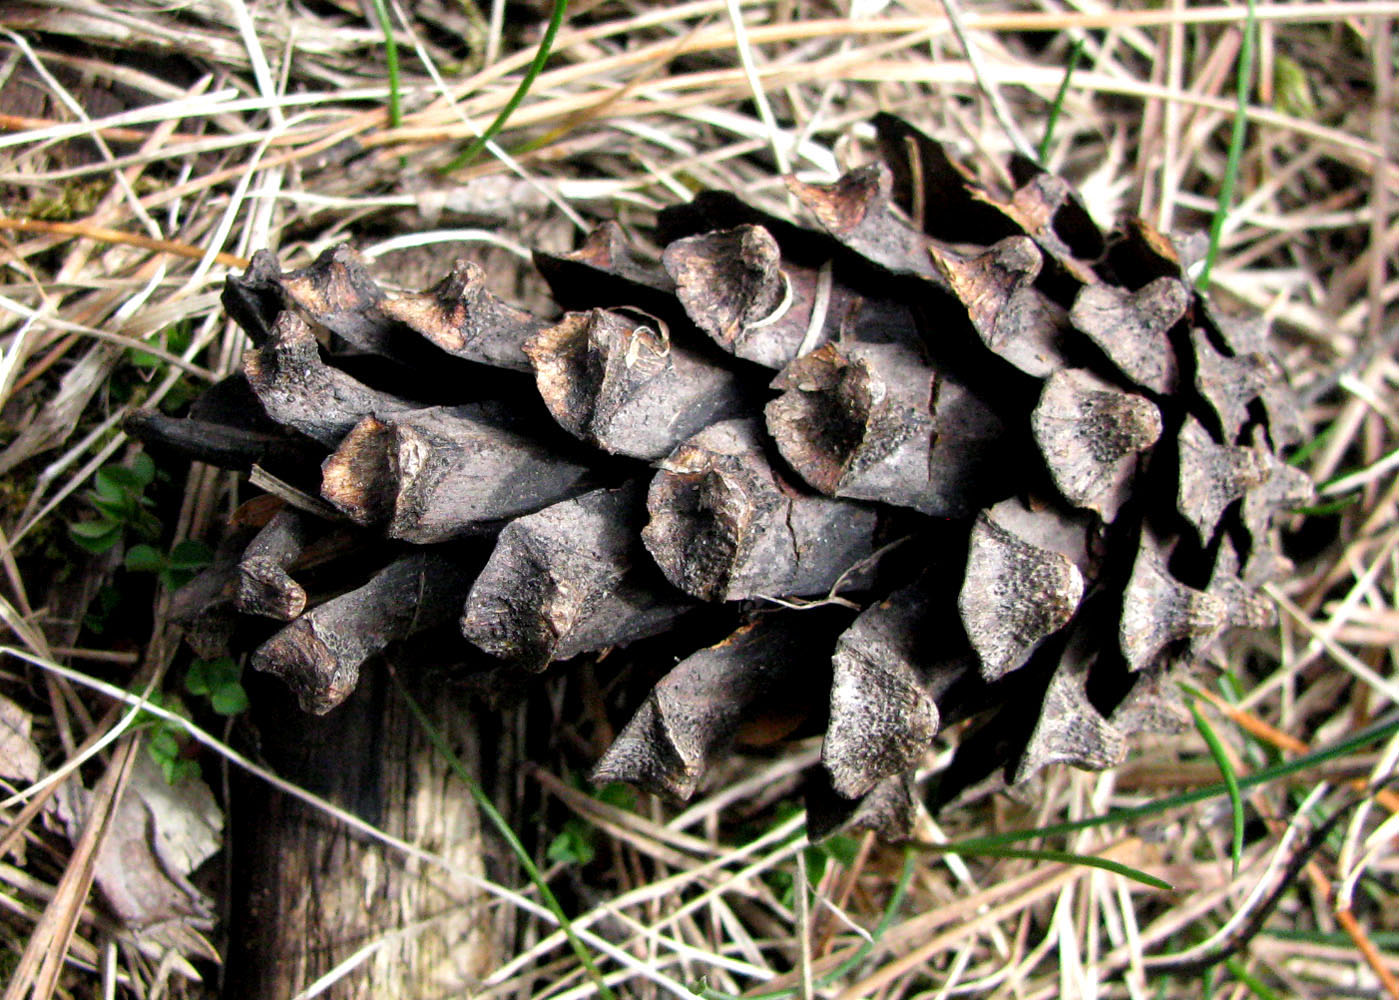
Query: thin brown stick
[[104, 235], [42, 960], [1374, 958]]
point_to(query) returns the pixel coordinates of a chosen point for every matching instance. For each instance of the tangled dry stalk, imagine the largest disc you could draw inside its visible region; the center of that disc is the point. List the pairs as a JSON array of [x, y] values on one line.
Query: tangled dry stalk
[[148, 148]]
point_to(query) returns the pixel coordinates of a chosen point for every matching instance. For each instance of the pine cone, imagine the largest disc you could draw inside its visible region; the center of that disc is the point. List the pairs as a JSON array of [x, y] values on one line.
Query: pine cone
[[1042, 463]]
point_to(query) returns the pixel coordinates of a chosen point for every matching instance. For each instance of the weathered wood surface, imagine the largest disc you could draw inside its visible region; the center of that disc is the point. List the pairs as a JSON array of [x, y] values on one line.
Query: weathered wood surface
[[309, 893]]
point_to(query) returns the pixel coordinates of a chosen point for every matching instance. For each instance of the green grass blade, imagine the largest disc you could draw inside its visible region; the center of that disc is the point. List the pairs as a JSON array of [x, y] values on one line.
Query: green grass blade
[[503, 828], [1236, 145], [381, 14], [1058, 857], [1307, 448], [1226, 771], [1388, 940], [891, 913], [1043, 152], [1381, 730], [1249, 981], [1328, 509], [535, 67]]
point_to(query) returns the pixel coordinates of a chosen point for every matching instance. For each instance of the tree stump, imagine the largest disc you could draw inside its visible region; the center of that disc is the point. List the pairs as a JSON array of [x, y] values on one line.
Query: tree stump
[[309, 893]]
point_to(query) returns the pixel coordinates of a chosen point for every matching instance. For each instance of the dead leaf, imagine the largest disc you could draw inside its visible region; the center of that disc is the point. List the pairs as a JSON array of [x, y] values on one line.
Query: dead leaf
[[159, 835], [19, 757]]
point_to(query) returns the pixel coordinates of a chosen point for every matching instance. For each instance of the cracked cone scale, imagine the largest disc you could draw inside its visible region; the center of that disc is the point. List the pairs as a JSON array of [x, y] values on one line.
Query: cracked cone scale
[[1038, 469]]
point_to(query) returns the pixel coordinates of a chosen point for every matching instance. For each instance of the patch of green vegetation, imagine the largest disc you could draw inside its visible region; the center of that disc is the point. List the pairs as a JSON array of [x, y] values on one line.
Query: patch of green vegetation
[[818, 856], [175, 568], [74, 200], [165, 740], [219, 681], [576, 843], [99, 613], [118, 499], [174, 339], [1292, 91]]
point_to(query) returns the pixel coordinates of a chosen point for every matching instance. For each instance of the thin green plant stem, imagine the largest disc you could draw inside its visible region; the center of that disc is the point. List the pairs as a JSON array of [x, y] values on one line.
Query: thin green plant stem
[[483, 802], [891, 912], [1236, 145], [1058, 105], [1249, 981], [1057, 857], [1309, 447], [535, 68], [1381, 730], [1381, 939], [1226, 771], [1328, 509], [381, 14]]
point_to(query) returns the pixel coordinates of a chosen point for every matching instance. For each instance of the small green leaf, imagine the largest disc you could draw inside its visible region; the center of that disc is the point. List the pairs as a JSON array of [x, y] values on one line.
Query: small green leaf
[[219, 680], [178, 769], [95, 536], [114, 510], [143, 467], [190, 554], [117, 480], [107, 488], [163, 744], [210, 675], [100, 610], [573, 846], [230, 699], [144, 559], [224, 671], [145, 525], [91, 529], [618, 795], [197, 680], [842, 847], [1292, 92]]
